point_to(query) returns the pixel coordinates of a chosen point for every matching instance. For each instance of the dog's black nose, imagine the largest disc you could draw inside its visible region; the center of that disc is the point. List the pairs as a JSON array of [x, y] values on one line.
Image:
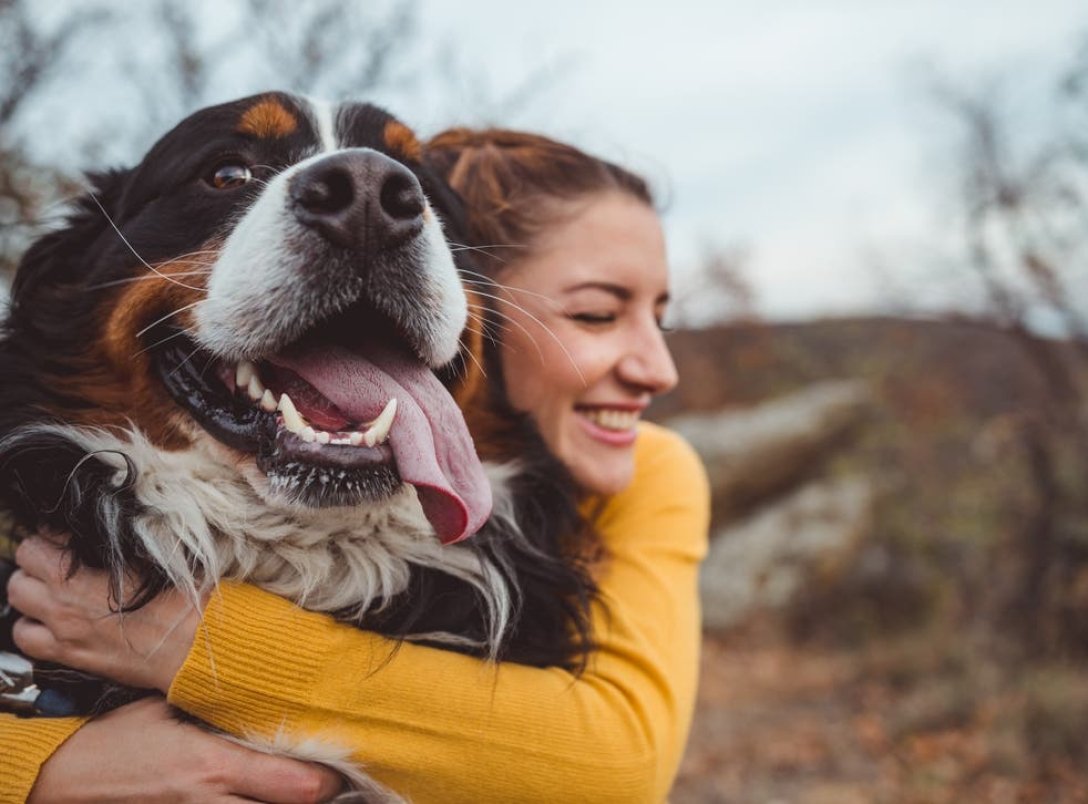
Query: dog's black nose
[[359, 199]]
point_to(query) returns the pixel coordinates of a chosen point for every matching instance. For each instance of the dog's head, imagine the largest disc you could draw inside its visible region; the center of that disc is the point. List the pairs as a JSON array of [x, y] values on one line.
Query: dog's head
[[272, 283]]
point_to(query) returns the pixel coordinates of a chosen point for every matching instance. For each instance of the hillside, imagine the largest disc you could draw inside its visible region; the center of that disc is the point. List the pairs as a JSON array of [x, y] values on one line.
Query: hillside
[[929, 367], [944, 661]]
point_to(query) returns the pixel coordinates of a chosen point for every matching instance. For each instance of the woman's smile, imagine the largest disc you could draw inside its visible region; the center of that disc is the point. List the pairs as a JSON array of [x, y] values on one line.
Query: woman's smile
[[614, 426]]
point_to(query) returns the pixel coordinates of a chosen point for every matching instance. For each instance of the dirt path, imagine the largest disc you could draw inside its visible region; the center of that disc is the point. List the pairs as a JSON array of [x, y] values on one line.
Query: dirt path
[[777, 723]]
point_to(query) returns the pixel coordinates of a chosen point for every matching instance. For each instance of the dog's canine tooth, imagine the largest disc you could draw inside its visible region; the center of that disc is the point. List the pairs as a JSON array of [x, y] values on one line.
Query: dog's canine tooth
[[255, 389], [308, 434], [243, 373], [380, 428], [268, 401], [291, 418]]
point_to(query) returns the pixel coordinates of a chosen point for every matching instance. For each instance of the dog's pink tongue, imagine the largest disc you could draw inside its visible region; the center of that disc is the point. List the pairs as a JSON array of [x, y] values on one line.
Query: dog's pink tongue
[[430, 441]]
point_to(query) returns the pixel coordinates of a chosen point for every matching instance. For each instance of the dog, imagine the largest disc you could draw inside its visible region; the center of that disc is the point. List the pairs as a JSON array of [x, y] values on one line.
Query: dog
[[241, 359]]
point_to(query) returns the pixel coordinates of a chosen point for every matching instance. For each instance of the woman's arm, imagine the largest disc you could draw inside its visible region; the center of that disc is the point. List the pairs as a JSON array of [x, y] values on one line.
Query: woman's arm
[[436, 725], [142, 753]]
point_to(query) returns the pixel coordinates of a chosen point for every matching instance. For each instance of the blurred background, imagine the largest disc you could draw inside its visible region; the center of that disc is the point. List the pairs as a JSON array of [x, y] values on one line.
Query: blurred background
[[878, 219]]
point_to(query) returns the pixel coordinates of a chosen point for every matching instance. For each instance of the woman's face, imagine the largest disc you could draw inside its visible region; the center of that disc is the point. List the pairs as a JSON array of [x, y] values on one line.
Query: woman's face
[[582, 349]]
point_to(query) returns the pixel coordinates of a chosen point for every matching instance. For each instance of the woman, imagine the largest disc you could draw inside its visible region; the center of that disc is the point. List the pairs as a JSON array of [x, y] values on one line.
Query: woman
[[578, 254]]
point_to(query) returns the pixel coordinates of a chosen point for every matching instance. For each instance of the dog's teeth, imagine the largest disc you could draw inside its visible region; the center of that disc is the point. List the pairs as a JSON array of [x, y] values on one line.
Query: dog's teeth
[[291, 418], [355, 439], [380, 428], [244, 373], [255, 389], [308, 434], [369, 438], [268, 402], [323, 437]]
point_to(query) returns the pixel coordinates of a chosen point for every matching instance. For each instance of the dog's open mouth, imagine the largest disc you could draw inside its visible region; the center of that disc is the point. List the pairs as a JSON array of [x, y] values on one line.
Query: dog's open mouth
[[332, 422]]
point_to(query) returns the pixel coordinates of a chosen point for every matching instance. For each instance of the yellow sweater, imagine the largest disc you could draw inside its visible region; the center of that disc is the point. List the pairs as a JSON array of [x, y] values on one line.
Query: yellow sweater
[[438, 726]]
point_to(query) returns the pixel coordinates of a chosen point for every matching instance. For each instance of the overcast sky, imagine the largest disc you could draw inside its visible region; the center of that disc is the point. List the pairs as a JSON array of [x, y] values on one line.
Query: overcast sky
[[801, 129]]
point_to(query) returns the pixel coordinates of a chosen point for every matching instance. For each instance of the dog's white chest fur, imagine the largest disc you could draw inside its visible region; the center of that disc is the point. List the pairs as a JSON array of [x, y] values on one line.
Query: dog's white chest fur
[[202, 521]]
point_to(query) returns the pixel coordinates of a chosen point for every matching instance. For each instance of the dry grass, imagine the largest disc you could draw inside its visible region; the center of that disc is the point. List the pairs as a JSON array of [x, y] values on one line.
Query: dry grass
[[919, 719]]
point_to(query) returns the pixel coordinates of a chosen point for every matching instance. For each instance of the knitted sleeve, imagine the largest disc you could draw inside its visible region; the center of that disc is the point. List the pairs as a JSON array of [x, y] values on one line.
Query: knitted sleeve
[[25, 745]]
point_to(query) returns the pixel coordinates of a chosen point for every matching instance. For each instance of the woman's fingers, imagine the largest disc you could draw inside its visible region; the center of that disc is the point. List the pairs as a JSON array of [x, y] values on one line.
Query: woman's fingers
[[41, 558], [51, 627], [70, 620], [28, 595], [141, 753], [35, 640], [280, 780]]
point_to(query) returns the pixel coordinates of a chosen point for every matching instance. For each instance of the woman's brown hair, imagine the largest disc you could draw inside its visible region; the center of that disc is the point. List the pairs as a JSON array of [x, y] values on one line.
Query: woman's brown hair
[[513, 184]]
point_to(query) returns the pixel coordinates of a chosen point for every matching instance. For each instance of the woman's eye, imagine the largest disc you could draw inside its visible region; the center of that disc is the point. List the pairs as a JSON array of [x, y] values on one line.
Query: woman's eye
[[229, 176], [593, 318]]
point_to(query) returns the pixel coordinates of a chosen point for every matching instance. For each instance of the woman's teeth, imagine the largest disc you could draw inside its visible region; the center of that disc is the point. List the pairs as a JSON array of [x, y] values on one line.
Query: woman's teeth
[[375, 432], [612, 419]]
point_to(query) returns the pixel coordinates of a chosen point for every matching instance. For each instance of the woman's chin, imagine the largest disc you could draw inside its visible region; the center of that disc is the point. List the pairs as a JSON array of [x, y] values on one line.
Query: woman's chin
[[603, 472]]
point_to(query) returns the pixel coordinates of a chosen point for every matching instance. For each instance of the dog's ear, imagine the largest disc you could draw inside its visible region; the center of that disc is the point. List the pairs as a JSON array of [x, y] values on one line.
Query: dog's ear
[[60, 258], [445, 201]]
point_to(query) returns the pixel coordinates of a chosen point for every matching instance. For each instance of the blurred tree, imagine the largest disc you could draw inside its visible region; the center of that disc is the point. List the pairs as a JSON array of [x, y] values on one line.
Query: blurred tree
[[326, 48], [31, 57], [1023, 216], [717, 291], [334, 48], [110, 102]]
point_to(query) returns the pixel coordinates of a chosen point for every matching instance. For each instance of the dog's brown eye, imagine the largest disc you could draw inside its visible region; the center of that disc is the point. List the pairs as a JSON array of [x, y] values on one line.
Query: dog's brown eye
[[229, 176]]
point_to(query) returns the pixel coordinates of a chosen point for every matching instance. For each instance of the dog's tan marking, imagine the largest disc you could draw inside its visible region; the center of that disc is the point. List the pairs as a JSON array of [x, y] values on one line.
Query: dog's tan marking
[[401, 140], [115, 375], [269, 119], [468, 390], [492, 431]]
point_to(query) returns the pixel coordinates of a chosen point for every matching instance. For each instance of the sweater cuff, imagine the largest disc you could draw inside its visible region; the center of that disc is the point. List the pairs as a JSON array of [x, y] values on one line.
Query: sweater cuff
[[253, 659], [25, 745]]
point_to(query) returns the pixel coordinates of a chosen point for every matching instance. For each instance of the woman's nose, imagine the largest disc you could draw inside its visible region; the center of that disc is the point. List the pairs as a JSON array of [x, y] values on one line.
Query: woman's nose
[[648, 362]]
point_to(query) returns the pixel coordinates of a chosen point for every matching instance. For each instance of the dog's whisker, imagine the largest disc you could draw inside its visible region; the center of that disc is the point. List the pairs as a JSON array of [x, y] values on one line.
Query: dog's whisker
[[181, 365], [178, 311], [528, 334], [468, 351], [196, 253], [144, 278], [204, 370], [161, 341], [484, 279], [488, 328], [510, 290], [485, 249], [489, 281], [124, 240], [542, 325]]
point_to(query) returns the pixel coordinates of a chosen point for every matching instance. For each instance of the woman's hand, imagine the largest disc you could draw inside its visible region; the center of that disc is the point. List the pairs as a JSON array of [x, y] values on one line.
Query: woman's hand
[[141, 753], [69, 621]]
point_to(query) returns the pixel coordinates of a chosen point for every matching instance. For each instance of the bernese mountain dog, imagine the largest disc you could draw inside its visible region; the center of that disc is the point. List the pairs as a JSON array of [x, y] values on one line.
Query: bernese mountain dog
[[240, 359]]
